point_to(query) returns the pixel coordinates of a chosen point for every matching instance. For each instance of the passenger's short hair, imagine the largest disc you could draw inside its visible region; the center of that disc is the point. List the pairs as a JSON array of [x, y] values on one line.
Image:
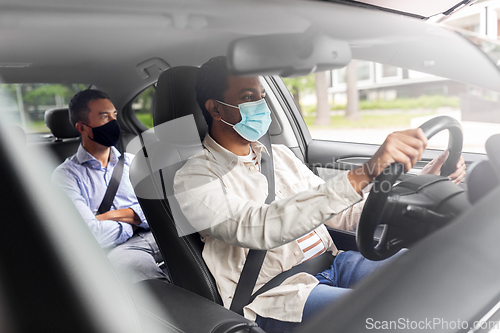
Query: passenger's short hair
[[211, 83], [79, 104]]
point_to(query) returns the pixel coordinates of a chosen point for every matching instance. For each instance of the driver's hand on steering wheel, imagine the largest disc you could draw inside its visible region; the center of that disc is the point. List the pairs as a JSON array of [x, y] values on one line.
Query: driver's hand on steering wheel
[[405, 147], [434, 168]]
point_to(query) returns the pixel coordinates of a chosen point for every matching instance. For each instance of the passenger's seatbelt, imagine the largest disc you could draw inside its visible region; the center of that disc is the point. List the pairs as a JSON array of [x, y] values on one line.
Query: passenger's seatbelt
[[255, 258], [109, 196]]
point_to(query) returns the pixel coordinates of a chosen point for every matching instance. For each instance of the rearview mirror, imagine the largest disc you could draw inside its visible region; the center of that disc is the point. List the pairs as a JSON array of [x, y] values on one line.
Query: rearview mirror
[[287, 54]]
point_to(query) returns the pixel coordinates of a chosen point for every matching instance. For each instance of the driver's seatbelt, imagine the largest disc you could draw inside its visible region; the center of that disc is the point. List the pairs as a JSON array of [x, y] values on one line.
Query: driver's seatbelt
[[255, 258]]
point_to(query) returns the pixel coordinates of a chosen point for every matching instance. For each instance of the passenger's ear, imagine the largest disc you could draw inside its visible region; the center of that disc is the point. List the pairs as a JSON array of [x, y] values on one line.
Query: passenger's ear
[[80, 127], [213, 108]]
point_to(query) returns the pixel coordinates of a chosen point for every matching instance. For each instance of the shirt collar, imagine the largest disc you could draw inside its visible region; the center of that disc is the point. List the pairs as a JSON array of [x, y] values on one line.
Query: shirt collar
[[224, 156], [84, 157]]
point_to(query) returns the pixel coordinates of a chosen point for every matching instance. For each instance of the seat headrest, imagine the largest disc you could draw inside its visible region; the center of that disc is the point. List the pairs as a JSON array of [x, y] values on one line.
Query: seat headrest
[[175, 97], [481, 179], [57, 120]]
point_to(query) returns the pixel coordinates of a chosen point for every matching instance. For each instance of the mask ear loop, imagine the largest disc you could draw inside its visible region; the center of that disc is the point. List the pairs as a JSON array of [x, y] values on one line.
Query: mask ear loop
[[225, 122], [236, 107], [90, 128]]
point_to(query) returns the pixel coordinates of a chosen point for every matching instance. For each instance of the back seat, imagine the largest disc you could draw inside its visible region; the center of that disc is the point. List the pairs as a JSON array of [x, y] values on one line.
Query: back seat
[[66, 138]]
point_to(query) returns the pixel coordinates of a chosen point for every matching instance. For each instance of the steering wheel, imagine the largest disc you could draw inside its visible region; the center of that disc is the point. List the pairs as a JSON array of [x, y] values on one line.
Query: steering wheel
[[373, 211]]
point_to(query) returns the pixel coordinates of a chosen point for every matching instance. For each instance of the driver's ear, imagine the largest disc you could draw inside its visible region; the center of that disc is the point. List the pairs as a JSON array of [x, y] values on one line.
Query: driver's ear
[[213, 108]]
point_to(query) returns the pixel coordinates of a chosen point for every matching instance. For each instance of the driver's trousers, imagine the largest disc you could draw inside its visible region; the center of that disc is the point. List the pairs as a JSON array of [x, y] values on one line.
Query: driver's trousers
[[347, 269]]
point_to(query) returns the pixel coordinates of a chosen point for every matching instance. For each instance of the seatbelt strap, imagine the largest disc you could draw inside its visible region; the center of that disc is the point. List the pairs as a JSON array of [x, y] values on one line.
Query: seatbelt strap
[[109, 196], [267, 167], [248, 278], [312, 266], [255, 258]]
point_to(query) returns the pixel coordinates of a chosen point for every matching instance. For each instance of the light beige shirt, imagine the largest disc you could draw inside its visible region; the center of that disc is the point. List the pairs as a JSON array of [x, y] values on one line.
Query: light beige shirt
[[225, 198]]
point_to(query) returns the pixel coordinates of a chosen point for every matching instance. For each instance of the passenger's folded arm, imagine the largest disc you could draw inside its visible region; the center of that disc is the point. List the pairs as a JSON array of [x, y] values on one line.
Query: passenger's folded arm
[[125, 215], [107, 232]]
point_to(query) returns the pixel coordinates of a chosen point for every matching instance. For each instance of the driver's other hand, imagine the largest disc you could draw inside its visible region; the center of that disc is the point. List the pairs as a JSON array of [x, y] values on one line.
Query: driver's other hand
[[405, 147], [460, 173], [434, 168]]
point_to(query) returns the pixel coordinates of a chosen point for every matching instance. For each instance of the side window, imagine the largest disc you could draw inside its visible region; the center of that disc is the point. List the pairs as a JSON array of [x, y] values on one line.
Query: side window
[[142, 106], [25, 104], [366, 101]]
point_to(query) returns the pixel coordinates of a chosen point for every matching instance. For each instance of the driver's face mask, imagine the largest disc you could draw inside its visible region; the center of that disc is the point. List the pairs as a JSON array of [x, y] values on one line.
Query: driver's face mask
[[255, 119]]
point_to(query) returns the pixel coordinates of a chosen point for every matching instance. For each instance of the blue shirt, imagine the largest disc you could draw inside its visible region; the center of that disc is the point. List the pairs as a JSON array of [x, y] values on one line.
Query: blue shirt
[[85, 181]]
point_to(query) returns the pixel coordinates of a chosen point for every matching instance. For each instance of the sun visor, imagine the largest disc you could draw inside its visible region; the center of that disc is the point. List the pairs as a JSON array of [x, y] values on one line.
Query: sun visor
[[287, 54]]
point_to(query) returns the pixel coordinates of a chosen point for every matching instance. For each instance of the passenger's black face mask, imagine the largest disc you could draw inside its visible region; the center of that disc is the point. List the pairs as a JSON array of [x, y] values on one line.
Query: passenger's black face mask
[[107, 134]]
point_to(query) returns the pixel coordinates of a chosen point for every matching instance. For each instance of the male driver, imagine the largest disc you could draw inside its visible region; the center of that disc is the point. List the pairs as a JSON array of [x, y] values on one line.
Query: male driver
[[123, 230], [291, 227]]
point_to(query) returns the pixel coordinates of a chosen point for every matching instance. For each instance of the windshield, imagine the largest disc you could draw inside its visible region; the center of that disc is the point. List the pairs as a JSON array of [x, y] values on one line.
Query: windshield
[[365, 101], [490, 47]]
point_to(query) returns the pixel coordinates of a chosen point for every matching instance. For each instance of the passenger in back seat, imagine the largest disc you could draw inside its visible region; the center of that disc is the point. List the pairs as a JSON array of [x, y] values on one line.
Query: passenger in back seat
[[123, 230]]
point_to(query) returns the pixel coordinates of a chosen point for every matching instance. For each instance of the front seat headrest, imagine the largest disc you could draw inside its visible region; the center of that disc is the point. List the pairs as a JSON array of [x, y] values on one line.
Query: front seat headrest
[[481, 180], [175, 97], [57, 120]]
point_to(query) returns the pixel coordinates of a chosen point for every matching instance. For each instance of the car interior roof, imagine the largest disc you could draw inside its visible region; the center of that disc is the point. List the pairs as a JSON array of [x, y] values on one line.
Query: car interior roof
[[103, 45], [104, 42]]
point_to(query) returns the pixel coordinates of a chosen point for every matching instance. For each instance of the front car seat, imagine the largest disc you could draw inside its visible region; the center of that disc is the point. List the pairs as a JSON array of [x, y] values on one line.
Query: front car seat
[[179, 127], [175, 98], [152, 173]]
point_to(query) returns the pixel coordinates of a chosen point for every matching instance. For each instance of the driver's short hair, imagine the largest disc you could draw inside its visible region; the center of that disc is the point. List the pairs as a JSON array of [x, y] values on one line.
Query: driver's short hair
[[79, 104], [211, 83]]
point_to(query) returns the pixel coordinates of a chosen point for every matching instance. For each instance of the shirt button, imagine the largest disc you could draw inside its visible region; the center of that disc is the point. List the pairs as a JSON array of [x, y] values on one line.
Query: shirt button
[[296, 253], [251, 168]]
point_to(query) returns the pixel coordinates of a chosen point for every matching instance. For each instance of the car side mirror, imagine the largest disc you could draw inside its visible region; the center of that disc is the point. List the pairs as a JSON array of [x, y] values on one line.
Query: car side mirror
[[287, 54]]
